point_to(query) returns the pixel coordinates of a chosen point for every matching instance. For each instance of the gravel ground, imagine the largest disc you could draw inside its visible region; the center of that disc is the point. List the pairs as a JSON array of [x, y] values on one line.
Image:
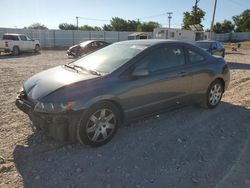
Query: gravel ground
[[187, 147]]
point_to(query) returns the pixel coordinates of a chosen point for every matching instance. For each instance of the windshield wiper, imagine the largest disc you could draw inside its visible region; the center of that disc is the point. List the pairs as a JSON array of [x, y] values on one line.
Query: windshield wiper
[[71, 67], [88, 70]]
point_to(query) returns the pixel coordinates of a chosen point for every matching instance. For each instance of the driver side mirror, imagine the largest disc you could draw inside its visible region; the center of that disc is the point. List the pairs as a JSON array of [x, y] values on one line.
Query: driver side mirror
[[140, 73]]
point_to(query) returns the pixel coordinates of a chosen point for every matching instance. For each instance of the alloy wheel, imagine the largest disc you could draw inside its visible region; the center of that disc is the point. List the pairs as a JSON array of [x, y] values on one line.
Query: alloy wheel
[[101, 124], [215, 94]]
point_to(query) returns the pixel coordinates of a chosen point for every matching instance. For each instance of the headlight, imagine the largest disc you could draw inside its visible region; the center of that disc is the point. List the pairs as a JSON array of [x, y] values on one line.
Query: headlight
[[54, 107]]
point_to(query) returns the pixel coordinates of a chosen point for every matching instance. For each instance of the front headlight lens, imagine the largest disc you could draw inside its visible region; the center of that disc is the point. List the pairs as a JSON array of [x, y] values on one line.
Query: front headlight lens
[[54, 107]]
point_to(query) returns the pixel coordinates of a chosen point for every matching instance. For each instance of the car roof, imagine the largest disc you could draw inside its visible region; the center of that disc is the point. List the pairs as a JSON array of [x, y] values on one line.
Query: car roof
[[151, 42], [84, 43]]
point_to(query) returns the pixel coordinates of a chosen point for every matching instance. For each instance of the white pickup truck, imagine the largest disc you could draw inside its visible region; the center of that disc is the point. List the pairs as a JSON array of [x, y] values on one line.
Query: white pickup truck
[[16, 43]]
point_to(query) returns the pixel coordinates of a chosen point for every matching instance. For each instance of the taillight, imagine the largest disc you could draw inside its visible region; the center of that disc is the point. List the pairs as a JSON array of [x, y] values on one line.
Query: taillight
[[6, 44]]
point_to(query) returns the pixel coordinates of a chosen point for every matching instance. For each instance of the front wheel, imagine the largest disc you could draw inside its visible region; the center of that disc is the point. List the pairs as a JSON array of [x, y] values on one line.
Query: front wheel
[[99, 124], [37, 49], [214, 94]]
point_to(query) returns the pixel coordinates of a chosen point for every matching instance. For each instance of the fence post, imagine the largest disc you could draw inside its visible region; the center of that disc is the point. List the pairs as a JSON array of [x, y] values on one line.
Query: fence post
[[118, 36], [54, 38], [104, 36], [73, 37]]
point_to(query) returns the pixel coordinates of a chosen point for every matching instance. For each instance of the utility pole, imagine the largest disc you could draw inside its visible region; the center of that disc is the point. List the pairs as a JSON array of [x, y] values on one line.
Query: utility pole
[[195, 11], [212, 24], [169, 18], [77, 17]]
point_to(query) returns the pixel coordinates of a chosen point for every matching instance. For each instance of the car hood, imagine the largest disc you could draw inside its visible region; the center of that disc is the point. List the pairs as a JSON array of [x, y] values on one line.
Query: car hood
[[43, 83]]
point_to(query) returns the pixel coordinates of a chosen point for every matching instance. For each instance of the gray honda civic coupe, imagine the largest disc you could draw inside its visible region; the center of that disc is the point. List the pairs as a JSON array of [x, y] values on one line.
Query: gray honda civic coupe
[[88, 99]]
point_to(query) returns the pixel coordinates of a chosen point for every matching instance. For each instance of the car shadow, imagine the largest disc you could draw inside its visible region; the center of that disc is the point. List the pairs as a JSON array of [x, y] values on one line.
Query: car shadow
[[190, 140], [235, 65], [23, 54]]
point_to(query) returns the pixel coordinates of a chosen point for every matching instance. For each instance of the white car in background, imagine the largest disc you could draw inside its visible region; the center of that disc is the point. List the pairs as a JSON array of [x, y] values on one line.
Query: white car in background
[[16, 43]]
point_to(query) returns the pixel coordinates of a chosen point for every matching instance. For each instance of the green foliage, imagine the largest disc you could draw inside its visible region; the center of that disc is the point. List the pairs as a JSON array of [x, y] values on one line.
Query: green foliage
[[225, 27], [89, 28], [66, 26], [193, 17], [107, 27], [148, 26], [119, 24], [242, 21], [36, 26]]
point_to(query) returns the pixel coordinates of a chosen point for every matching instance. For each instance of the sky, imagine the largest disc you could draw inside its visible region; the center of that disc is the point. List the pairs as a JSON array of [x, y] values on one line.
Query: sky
[[21, 13]]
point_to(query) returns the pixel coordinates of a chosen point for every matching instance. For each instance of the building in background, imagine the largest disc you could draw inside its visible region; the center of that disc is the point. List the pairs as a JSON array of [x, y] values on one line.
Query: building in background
[[179, 34]]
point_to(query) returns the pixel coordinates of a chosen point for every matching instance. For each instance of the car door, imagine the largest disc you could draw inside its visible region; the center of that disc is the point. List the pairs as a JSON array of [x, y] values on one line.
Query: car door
[[214, 49], [220, 49], [167, 83], [201, 72], [26, 45], [30, 44]]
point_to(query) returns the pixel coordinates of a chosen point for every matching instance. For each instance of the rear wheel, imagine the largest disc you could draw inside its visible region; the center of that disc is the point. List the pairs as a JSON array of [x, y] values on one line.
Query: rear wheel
[[99, 124], [16, 50], [214, 94]]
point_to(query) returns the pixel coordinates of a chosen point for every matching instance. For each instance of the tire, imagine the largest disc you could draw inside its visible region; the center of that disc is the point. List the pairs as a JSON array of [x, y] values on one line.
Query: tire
[[37, 48], [223, 54], [16, 51], [99, 124], [214, 94]]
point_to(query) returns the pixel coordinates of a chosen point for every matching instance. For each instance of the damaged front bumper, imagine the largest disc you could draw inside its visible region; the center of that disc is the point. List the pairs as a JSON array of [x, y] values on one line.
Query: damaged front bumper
[[60, 126]]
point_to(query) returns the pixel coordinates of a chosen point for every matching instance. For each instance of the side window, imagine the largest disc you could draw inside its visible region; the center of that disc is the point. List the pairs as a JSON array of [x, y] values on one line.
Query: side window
[[28, 38], [214, 45], [100, 43], [162, 58], [219, 45], [15, 38], [23, 37], [195, 57]]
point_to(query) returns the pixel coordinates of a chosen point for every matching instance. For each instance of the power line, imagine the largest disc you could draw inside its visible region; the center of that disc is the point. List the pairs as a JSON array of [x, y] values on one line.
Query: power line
[[237, 3], [153, 16], [94, 19]]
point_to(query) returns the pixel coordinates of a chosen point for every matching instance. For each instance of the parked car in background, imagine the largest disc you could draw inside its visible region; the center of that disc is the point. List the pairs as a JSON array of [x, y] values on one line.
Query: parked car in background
[[89, 98], [16, 43], [85, 48], [212, 46]]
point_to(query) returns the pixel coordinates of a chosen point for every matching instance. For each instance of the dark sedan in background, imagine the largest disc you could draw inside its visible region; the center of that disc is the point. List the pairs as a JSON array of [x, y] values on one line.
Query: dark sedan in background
[[89, 98], [211, 46], [85, 48]]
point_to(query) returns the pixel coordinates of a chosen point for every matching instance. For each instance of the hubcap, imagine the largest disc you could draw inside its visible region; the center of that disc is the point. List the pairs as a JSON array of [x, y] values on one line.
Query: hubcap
[[215, 94], [101, 125]]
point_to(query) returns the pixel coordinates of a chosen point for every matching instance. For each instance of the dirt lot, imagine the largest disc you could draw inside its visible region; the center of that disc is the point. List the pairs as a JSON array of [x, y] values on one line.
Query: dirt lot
[[188, 147]]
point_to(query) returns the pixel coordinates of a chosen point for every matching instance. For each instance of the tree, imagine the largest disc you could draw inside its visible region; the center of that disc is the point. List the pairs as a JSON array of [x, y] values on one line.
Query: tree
[[119, 24], [66, 26], [89, 28], [36, 26], [148, 26], [107, 27], [194, 17], [242, 21], [225, 27]]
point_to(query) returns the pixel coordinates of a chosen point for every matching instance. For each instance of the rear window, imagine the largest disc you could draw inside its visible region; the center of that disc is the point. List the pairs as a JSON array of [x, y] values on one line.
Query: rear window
[[10, 37]]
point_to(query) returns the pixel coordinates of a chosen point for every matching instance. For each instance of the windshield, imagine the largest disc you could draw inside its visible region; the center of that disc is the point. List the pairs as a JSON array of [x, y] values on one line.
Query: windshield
[[108, 59], [205, 45]]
